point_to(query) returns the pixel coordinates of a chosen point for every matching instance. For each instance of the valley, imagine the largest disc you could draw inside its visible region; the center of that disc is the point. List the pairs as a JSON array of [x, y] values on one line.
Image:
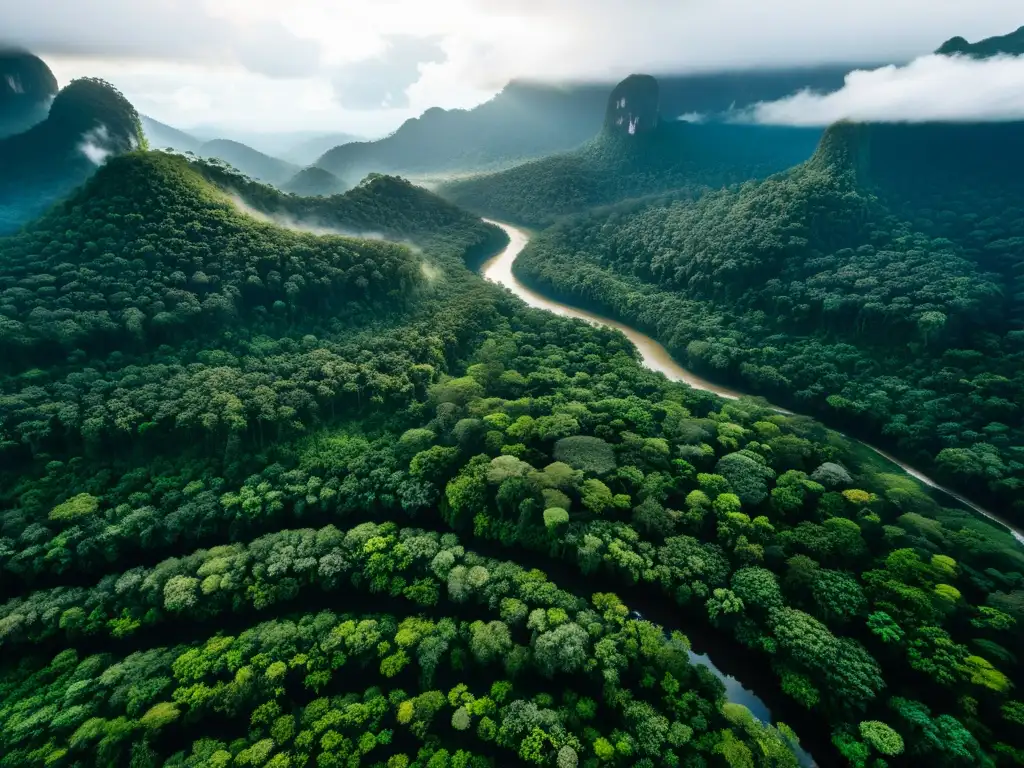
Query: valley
[[654, 356], [572, 423]]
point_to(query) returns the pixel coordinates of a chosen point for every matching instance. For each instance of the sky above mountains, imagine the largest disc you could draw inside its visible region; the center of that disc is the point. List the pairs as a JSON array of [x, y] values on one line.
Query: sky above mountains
[[364, 66]]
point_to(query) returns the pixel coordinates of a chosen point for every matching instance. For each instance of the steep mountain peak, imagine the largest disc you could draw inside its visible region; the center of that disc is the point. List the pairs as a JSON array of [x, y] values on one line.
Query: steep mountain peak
[[90, 104], [633, 106], [88, 122]]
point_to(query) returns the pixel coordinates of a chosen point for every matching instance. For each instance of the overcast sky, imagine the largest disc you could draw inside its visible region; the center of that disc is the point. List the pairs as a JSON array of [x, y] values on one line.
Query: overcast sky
[[363, 66]]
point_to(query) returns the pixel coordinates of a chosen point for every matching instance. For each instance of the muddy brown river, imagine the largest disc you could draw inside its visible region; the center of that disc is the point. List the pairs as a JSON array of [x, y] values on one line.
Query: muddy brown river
[[499, 270]]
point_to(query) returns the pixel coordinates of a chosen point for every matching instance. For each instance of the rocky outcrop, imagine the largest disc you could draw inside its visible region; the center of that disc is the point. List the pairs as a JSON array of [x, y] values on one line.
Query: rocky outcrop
[[633, 106]]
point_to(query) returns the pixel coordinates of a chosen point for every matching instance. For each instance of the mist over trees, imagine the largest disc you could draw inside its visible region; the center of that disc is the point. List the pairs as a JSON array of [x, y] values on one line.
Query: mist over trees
[[286, 483]]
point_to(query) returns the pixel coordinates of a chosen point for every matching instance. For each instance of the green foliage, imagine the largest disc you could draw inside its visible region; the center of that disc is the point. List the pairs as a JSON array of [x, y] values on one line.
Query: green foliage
[[875, 289], [555, 517], [310, 436], [683, 157], [77, 506], [881, 737], [589, 454], [159, 715]]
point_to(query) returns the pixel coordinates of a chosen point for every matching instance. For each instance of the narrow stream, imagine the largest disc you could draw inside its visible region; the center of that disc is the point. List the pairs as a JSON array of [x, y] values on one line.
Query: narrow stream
[[499, 270]]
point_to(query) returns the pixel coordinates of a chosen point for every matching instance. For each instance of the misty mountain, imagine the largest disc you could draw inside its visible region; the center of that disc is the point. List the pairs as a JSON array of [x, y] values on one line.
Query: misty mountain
[[27, 86], [638, 152], [308, 151], [163, 136], [301, 147], [1010, 45], [249, 161], [252, 162], [314, 182], [529, 120], [88, 122]]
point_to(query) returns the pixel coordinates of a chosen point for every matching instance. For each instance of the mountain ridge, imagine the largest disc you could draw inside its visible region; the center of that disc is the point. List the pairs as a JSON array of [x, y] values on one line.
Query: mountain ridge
[[249, 161], [529, 120]]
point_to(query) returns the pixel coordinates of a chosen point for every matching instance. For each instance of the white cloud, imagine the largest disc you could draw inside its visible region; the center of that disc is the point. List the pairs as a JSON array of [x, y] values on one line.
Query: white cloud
[[461, 51], [162, 30], [931, 88], [384, 80], [95, 145]]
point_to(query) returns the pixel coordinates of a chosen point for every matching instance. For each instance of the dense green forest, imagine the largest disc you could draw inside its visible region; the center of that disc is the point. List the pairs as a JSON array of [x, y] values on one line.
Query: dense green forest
[[275, 498], [871, 285], [88, 121]]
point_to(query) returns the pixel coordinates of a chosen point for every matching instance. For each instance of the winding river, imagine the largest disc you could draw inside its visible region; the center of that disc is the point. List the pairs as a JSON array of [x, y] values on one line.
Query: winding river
[[499, 270]]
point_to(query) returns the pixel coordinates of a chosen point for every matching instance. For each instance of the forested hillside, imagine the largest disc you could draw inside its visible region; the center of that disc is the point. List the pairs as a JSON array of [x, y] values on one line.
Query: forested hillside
[[88, 121], [279, 498], [874, 284], [147, 266], [670, 157]]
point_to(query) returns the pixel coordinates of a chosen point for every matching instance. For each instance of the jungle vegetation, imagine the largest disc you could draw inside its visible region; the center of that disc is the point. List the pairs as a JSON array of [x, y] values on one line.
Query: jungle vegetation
[[872, 285], [679, 158], [275, 498]]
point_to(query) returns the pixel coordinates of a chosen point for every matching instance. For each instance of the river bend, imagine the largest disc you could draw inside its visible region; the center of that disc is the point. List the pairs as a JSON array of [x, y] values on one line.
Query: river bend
[[499, 270]]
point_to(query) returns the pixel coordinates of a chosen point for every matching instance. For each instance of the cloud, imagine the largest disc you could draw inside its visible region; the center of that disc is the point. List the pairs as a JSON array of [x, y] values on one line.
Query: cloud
[[308, 226], [172, 30], [931, 88], [347, 59], [95, 145], [384, 80], [610, 38]]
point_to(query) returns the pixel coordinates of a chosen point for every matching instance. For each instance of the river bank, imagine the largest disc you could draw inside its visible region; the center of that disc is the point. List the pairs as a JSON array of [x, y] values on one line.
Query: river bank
[[498, 269]]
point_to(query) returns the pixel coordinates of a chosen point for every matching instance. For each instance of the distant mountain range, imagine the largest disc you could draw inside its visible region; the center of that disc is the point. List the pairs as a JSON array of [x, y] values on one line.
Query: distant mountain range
[[637, 153], [249, 161], [27, 86], [297, 150], [530, 120], [163, 136]]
